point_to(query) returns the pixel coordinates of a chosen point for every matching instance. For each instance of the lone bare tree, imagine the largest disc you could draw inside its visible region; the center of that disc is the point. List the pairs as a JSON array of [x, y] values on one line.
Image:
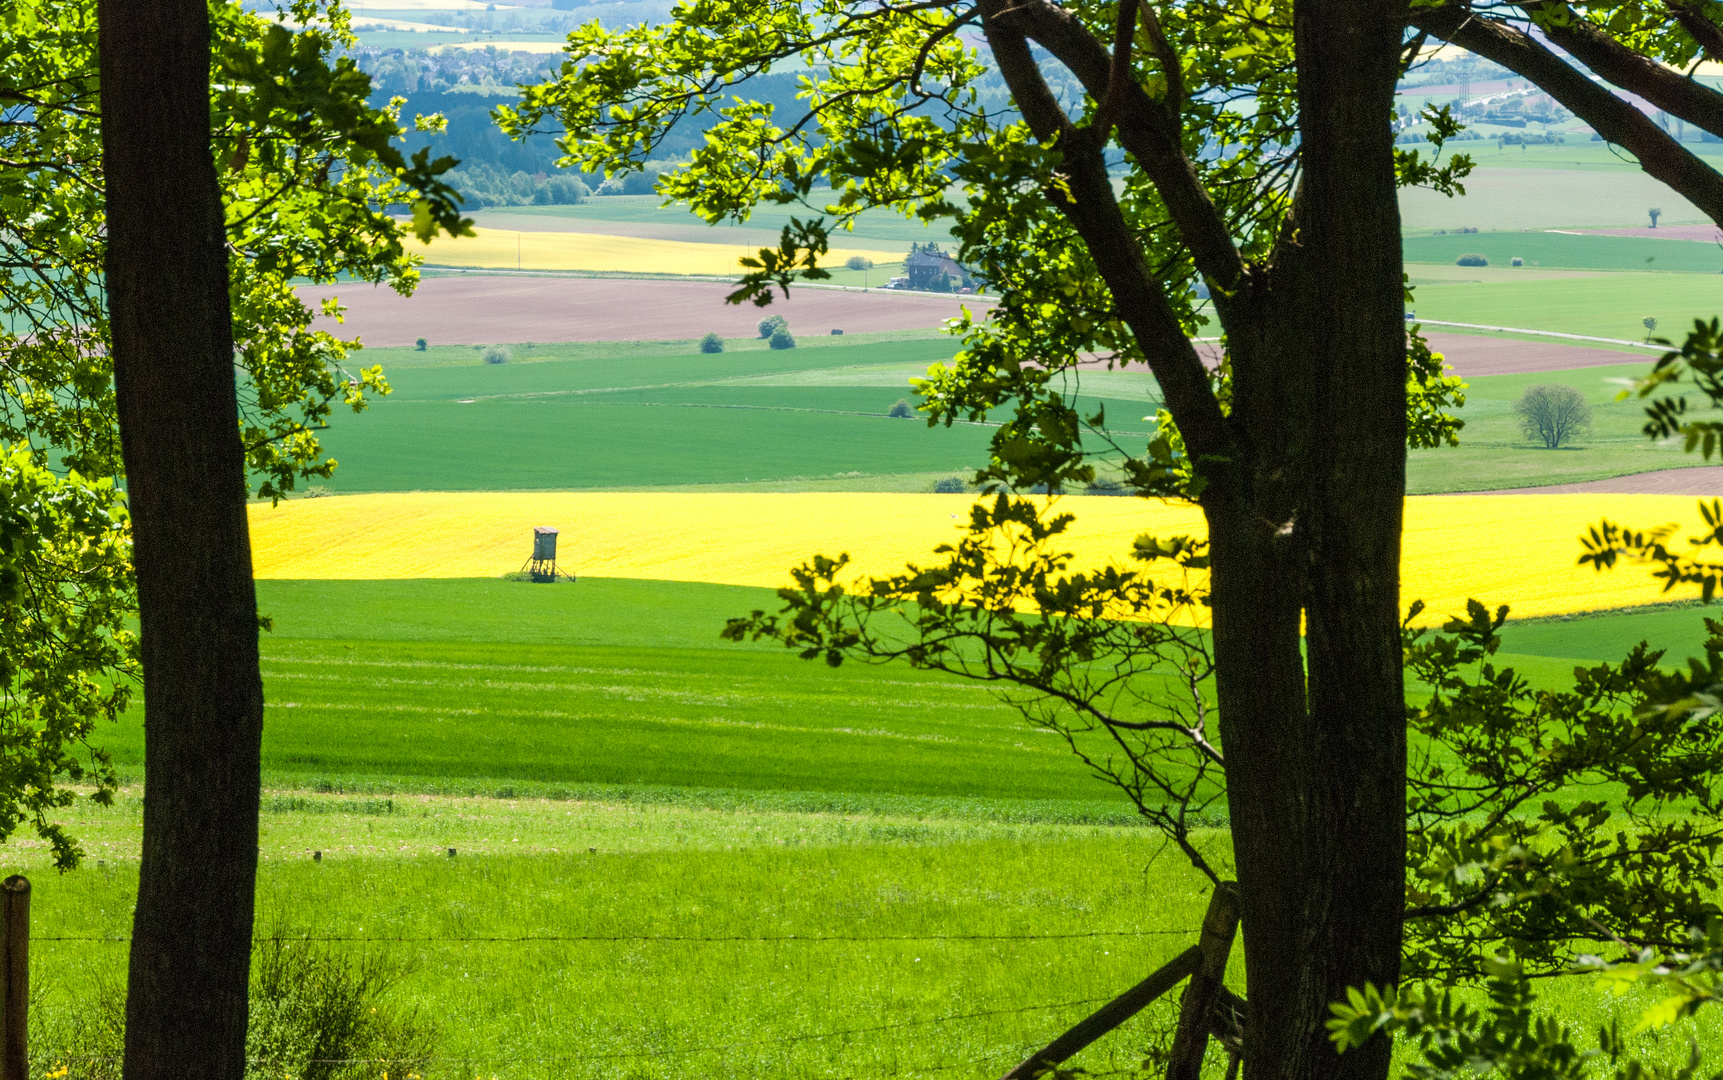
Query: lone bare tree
[[1553, 414]]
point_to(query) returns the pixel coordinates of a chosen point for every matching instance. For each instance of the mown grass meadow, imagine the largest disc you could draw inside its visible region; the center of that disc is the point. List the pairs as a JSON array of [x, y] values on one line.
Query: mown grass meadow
[[703, 943]]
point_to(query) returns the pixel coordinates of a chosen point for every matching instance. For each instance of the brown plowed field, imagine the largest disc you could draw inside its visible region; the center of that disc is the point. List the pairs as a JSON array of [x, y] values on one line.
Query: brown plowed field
[[479, 309], [1700, 480], [1479, 354]]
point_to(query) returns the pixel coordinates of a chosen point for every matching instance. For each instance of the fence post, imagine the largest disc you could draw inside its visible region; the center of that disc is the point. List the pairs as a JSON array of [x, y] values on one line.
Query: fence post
[[15, 972], [1109, 1016], [1190, 1042]]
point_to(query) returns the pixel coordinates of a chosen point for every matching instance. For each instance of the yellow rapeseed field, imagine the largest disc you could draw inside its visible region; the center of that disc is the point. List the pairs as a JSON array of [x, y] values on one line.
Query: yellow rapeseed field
[[1514, 549], [595, 251]]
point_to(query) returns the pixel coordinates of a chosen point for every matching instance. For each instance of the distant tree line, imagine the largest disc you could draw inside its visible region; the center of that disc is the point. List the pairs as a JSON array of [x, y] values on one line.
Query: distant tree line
[[464, 85], [485, 185]]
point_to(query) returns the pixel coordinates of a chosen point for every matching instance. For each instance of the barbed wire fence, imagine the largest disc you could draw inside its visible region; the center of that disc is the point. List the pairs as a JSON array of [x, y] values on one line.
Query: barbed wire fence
[[994, 1056], [688, 1051]]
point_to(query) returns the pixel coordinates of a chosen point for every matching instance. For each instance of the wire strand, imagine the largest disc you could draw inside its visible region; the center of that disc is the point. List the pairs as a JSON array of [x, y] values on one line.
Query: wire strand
[[526, 939]]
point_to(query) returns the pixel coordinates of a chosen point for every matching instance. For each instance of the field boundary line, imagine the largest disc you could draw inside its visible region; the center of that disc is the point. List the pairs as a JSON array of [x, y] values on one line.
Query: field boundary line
[[1544, 333]]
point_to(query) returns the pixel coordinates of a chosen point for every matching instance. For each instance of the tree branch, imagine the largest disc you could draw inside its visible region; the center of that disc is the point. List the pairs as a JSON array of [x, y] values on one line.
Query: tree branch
[[1617, 121], [1171, 68], [1119, 75], [1086, 198], [1146, 128], [1699, 28], [1667, 89]]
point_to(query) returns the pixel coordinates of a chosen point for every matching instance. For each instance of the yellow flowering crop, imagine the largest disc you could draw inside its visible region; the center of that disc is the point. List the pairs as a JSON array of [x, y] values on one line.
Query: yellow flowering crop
[[1520, 550], [596, 251]]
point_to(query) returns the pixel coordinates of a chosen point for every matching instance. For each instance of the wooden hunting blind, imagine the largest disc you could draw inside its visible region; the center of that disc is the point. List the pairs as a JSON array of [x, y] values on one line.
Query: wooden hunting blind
[[544, 543], [542, 566]]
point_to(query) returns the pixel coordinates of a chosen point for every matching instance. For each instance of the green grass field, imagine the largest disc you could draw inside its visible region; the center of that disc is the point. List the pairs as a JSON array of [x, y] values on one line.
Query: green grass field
[[662, 416], [945, 961], [1494, 453], [1604, 305], [648, 418], [872, 890], [1570, 251], [465, 686], [614, 683]]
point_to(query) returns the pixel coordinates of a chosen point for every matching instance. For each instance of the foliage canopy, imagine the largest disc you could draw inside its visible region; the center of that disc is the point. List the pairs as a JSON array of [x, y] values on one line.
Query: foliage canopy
[[309, 169]]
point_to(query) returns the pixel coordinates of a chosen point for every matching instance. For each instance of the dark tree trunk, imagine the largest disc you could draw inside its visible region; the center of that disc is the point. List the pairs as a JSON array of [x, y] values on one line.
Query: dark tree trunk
[[1306, 478], [1310, 520], [185, 475]]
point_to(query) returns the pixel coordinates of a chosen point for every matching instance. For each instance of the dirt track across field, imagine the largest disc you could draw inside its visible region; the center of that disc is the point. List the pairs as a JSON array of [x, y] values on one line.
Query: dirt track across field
[[480, 309], [1700, 480]]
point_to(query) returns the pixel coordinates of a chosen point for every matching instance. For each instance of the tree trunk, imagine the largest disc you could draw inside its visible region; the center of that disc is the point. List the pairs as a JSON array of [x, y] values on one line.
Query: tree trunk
[[1310, 521], [185, 473]]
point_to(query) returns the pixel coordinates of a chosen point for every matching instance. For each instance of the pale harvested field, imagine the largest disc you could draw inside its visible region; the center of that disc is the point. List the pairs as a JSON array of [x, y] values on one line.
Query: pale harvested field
[[480, 309], [1705, 234], [1702, 480], [510, 249], [1479, 354], [1515, 549], [691, 230]]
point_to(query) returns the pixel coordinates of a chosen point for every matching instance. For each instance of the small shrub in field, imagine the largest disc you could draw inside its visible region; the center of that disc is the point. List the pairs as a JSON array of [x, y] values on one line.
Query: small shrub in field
[[1553, 415], [949, 485], [1472, 258], [781, 339], [314, 1010], [496, 354], [711, 343], [315, 491], [315, 1015], [859, 262], [772, 325], [1516, 261], [420, 344], [901, 410]]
